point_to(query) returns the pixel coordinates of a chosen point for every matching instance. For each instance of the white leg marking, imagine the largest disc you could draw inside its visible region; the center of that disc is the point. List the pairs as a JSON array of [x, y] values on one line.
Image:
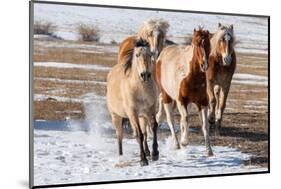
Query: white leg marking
[[159, 114], [168, 109], [183, 123]]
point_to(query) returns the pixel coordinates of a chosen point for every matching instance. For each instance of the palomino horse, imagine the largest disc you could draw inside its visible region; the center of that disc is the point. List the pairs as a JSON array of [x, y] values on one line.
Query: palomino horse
[[132, 94], [222, 63], [180, 73], [152, 31]]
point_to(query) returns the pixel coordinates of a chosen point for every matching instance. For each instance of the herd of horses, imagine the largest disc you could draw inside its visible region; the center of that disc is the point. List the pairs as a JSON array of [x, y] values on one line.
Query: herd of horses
[[153, 76]]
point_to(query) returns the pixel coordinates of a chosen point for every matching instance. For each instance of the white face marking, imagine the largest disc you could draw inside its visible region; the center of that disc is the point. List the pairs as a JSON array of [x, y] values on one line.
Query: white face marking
[[227, 37]]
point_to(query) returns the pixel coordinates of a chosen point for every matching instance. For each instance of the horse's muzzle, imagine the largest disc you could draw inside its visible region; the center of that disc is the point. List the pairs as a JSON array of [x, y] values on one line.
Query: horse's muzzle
[[145, 76], [227, 60]]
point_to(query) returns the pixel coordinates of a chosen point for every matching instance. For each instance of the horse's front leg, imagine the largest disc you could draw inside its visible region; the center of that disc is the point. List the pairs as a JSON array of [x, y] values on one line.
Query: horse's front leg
[[183, 123], [205, 129], [212, 102], [168, 110], [221, 106], [155, 152], [140, 137], [117, 122], [144, 127]]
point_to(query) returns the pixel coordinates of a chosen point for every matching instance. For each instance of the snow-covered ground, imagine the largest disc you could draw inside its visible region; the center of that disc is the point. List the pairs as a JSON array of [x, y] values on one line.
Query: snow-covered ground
[[116, 24], [76, 156], [250, 79], [86, 151]]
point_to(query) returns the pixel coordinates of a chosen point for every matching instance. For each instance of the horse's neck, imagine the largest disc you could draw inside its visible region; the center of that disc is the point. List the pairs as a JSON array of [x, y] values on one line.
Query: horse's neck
[[194, 66]]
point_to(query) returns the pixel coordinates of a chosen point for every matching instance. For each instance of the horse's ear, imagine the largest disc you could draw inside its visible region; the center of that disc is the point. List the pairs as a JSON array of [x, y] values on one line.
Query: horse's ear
[[231, 26], [219, 25], [194, 30]]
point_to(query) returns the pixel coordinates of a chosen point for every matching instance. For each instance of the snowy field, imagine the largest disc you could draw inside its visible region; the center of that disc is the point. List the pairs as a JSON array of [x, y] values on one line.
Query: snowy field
[[86, 151], [251, 32], [72, 157]]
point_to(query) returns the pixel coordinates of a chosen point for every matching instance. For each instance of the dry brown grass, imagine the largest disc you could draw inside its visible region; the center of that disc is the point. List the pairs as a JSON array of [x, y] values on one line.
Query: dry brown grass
[[88, 33], [55, 110], [72, 56]]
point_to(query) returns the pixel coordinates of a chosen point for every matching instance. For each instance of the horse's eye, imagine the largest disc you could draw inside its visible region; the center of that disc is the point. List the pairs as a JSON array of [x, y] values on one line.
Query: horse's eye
[[138, 54]]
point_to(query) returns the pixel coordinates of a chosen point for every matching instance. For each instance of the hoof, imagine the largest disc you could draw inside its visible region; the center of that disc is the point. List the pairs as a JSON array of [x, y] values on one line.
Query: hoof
[[184, 142], [147, 153], [211, 121], [144, 162], [155, 156], [210, 153]]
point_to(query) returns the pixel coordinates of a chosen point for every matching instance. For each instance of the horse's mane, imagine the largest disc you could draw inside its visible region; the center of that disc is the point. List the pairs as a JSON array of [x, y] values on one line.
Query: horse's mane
[[149, 26], [130, 53], [217, 36]]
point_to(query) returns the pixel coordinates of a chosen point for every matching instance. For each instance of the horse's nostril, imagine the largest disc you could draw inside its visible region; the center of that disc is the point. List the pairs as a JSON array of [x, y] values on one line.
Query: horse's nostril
[[148, 75]]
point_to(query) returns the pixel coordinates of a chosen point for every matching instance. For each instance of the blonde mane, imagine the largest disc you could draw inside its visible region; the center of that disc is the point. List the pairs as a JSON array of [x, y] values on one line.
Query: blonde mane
[[222, 30], [148, 26]]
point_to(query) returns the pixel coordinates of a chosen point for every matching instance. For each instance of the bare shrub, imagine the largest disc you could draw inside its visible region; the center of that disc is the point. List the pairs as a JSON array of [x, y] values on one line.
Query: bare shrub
[[88, 33], [43, 27], [113, 42]]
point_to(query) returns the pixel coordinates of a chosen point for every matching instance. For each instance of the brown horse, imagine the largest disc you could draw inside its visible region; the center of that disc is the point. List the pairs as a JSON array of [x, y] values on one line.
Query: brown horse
[[222, 63], [132, 94], [180, 72], [152, 31]]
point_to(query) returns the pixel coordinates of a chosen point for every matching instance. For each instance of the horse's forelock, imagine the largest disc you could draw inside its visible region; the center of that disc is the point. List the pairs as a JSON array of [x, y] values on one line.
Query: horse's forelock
[[151, 25], [218, 35]]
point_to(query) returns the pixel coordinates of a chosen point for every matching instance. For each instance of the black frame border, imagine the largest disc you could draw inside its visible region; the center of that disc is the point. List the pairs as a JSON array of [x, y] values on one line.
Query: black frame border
[[31, 136]]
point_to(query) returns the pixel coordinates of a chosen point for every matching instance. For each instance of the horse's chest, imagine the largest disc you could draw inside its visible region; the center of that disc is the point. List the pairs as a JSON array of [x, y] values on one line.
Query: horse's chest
[[193, 88], [145, 99]]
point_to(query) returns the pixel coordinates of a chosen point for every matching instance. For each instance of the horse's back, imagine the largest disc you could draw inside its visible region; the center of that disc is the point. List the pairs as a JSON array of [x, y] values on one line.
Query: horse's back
[[125, 47]]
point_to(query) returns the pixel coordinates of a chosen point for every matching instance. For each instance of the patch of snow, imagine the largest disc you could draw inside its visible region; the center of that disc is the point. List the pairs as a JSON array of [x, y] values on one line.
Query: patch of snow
[[250, 79], [63, 157], [71, 65], [58, 80]]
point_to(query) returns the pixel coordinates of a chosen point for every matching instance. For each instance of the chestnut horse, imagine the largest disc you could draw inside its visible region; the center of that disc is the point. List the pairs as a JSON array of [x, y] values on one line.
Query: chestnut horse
[[152, 31], [132, 94], [180, 73], [222, 63]]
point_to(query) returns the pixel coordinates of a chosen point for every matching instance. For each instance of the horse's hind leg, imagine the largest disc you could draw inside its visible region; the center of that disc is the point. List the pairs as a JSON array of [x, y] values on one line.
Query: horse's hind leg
[[205, 129], [117, 122], [160, 112], [144, 124]]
